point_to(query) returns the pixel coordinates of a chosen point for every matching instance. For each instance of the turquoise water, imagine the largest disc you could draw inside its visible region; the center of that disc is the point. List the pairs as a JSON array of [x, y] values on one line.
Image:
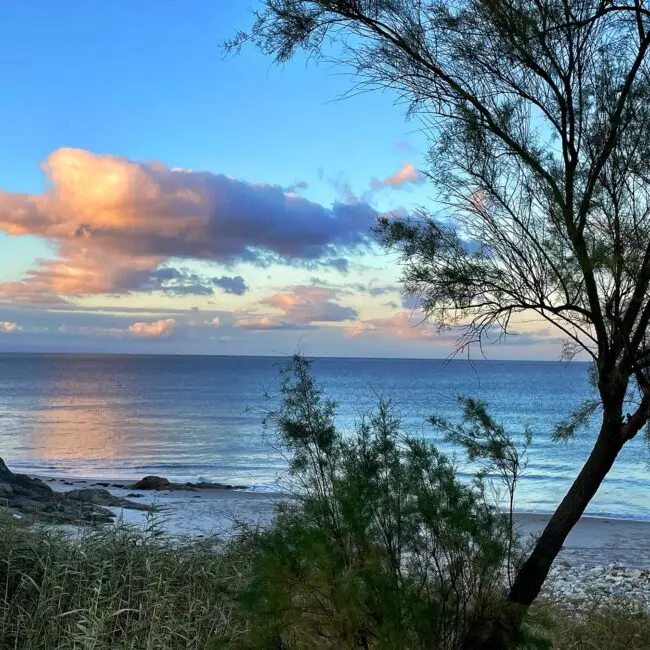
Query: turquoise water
[[201, 417]]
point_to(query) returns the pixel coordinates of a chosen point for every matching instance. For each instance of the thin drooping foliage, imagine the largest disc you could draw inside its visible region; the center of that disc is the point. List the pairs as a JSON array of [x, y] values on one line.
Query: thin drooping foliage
[[486, 442], [537, 115], [114, 588], [381, 546]]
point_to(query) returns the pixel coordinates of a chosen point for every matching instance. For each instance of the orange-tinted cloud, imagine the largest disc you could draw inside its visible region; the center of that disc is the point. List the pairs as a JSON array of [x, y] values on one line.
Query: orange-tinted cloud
[[302, 307], [406, 174], [359, 328], [115, 222], [406, 325], [157, 329], [8, 328], [267, 324]]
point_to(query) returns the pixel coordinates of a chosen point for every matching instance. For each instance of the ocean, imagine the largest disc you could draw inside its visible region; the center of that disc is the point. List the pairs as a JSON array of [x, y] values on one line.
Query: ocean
[[200, 417]]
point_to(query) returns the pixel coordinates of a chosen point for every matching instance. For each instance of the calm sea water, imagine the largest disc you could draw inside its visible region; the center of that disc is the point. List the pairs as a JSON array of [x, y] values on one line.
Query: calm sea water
[[201, 417]]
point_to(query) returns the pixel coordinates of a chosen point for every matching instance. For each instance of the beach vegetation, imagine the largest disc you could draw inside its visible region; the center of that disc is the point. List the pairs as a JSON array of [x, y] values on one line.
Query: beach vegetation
[[378, 545], [112, 587], [537, 116]]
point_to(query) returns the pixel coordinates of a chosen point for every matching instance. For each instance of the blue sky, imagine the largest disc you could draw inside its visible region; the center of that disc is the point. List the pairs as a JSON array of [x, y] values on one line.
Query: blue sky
[[158, 197]]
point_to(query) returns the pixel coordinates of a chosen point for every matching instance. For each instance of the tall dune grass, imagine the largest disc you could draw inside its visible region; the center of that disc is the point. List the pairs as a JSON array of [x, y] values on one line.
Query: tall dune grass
[[113, 588]]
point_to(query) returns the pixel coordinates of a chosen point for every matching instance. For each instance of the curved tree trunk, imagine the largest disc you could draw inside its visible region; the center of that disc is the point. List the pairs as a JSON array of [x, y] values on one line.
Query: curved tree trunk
[[498, 635]]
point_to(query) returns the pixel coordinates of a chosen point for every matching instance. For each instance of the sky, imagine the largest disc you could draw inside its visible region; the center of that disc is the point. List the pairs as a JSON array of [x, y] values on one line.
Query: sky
[[159, 197]]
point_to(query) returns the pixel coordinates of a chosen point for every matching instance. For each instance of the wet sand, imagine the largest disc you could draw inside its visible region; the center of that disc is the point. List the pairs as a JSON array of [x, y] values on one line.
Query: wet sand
[[594, 541], [598, 541]]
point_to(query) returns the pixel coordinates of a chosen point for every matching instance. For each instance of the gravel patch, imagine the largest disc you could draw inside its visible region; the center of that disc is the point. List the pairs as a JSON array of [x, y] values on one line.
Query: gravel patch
[[611, 584]]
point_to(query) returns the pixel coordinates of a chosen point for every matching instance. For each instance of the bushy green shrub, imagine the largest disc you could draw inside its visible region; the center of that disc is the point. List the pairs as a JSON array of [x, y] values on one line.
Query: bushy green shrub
[[380, 546]]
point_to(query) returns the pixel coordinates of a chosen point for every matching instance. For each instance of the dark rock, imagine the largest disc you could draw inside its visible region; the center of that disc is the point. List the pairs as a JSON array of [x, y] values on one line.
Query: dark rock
[[23, 485], [4, 470], [75, 512], [89, 495], [25, 504], [133, 495], [151, 483], [31, 495], [102, 497], [161, 483], [205, 485], [5, 490]]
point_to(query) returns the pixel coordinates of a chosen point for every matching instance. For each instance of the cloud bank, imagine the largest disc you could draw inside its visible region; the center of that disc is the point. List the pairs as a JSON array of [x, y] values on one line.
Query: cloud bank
[[116, 223]]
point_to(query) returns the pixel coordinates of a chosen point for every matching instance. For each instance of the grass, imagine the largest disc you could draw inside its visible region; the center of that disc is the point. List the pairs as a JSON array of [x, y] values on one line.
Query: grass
[[114, 588], [117, 588], [593, 627]]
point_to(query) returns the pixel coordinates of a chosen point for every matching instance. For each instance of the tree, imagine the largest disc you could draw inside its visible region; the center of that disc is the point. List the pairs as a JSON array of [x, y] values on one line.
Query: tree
[[538, 114]]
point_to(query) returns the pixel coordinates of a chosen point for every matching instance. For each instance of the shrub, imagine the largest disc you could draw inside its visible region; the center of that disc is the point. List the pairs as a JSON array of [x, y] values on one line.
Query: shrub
[[590, 625], [380, 545]]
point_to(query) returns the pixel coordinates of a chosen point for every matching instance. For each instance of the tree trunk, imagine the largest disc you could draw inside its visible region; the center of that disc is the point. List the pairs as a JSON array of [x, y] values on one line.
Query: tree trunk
[[499, 635]]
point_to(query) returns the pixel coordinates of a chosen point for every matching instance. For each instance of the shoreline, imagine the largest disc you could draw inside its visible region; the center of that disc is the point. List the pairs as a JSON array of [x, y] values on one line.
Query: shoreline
[[603, 558], [594, 541], [64, 482]]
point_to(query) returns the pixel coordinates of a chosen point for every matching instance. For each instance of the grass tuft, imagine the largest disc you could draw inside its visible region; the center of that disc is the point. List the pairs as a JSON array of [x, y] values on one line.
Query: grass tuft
[[113, 588]]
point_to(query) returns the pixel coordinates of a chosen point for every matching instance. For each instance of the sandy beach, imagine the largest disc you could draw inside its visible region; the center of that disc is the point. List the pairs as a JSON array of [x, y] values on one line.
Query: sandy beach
[[603, 559], [593, 542]]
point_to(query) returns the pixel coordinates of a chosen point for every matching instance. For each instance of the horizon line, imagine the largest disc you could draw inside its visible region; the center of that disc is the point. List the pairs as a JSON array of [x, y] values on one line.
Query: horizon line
[[282, 356]]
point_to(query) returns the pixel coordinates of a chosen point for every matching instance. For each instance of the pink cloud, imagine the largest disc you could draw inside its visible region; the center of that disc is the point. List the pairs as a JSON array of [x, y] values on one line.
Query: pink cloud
[[405, 324], [308, 304], [406, 174], [359, 328], [156, 329], [114, 222], [263, 323], [300, 308], [8, 327]]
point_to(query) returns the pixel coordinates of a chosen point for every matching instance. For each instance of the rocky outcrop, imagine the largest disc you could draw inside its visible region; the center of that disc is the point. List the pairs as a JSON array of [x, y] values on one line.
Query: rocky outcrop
[[151, 483], [20, 493], [102, 497], [161, 483]]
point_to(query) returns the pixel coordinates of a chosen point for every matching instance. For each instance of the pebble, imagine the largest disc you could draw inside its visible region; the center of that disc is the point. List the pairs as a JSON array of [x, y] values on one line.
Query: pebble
[[607, 584]]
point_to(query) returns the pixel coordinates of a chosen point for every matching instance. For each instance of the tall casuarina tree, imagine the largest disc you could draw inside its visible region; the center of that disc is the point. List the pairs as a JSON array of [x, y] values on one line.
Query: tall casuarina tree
[[538, 115]]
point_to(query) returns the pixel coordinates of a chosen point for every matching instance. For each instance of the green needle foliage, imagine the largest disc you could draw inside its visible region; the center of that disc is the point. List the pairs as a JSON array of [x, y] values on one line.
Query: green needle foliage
[[537, 115], [381, 546]]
